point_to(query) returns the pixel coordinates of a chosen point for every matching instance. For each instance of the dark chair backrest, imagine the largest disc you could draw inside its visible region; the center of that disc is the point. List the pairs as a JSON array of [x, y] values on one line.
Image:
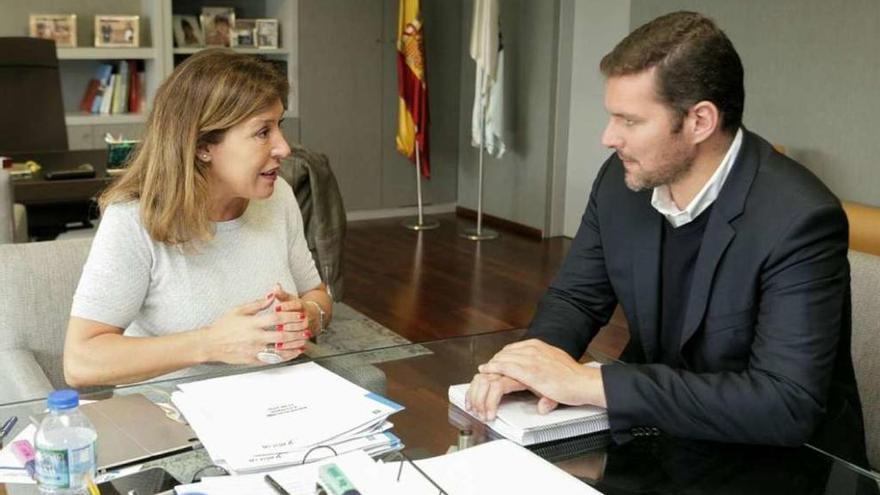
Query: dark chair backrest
[[30, 95]]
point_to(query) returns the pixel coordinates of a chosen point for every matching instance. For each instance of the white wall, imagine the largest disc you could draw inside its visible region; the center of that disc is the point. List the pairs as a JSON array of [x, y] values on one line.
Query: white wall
[[598, 26]]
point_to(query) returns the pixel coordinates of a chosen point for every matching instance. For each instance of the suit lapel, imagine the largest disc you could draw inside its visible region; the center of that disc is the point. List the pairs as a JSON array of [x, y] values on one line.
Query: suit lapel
[[715, 241], [719, 232], [646, 276]]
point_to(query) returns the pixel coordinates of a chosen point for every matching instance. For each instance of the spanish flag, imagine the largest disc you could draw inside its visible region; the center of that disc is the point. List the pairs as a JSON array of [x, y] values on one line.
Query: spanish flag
[[412, 86]]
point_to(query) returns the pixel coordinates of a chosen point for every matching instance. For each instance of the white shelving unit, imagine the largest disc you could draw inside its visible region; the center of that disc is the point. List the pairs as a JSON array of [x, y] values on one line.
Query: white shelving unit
[[286, 11], [157, 52], [251, 51], [91, 53], [83, 118]]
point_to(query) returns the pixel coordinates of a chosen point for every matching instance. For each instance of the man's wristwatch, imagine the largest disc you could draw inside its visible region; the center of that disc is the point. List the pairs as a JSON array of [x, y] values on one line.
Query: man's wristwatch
[[321, 316]]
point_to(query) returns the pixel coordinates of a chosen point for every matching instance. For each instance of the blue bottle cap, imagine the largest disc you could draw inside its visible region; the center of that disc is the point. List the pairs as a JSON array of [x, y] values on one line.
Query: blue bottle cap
[[63, 399]]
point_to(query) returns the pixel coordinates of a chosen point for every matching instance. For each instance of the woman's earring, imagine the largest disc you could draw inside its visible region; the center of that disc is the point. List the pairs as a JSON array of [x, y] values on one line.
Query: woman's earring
[[205, 157]]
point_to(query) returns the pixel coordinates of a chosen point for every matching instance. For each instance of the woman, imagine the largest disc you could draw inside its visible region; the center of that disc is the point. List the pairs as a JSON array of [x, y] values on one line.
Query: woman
[[199, 224]]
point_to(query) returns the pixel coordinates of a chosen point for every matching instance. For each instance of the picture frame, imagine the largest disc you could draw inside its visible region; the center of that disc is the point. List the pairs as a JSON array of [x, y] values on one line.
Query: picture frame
[[58, 27], [243, 35], [187, 31], [218, 24], [266, 33], [117, 31]]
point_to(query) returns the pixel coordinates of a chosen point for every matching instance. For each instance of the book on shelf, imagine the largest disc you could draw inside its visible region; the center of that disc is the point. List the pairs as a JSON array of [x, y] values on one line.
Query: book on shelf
[[107, 98], [100, 83], [518, 419], [117, 88], [85, 104]]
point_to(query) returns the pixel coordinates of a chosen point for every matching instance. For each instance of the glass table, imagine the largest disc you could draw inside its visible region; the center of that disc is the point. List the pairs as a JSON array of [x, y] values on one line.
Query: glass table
[[418, 376]]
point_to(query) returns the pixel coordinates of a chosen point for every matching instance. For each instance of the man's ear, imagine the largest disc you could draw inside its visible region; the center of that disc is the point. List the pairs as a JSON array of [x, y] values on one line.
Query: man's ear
[[703, 119]]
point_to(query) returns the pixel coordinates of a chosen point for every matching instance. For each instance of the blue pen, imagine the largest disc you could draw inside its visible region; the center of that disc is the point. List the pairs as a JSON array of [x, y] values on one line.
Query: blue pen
[[7, 426]]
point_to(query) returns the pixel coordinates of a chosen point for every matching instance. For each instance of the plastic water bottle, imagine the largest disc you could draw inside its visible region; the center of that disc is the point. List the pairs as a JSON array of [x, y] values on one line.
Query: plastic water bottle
[[65, 444]]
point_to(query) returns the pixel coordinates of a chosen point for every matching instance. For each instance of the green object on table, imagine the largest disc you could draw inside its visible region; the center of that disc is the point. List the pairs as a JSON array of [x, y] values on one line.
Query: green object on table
[[334, 481], [117, 153]]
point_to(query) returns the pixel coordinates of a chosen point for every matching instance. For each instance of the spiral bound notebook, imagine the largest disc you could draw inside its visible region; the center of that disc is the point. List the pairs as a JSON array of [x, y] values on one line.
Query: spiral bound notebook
[[518, 419]]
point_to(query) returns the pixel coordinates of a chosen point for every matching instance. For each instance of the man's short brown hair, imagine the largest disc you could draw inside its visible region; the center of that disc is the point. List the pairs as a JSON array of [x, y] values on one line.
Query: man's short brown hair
[[695, 62]]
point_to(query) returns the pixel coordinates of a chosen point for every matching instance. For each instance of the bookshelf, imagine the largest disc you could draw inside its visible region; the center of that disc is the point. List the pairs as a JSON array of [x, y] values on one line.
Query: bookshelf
[[92, 53], [157, 52]]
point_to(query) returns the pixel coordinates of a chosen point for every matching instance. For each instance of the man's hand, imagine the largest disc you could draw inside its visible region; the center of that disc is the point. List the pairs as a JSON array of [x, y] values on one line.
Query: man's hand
[[485, 392], [548, 372]]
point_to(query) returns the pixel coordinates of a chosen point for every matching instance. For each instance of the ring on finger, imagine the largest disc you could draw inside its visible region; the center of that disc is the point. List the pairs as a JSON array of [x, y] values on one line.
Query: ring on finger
[[268, 355]]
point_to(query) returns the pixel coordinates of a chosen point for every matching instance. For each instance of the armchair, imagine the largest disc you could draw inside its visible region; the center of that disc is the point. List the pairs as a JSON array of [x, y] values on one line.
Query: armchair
[[37, 282], [864, 259]]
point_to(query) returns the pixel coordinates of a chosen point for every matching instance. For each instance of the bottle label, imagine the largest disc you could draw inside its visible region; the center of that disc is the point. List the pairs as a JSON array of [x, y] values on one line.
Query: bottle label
[[52, 468], [65, 468]]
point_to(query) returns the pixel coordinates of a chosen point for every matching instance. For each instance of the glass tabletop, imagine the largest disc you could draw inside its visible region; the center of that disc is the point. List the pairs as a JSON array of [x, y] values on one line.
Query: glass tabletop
[[418, 376]]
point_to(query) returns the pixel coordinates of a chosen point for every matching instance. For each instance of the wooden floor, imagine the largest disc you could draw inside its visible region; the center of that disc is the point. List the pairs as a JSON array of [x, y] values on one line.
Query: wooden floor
[[433, 284]]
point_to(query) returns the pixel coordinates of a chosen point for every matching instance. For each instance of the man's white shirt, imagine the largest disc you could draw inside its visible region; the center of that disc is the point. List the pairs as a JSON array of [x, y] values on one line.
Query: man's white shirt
[[662, 201]]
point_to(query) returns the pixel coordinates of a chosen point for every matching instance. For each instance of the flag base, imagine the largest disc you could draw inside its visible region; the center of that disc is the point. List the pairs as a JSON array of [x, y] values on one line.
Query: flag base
[[414, 224], [478, 235]]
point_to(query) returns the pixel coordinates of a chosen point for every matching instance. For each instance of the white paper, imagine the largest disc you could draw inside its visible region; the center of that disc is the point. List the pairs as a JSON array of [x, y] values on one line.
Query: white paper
[[279, 415], [500, 466]]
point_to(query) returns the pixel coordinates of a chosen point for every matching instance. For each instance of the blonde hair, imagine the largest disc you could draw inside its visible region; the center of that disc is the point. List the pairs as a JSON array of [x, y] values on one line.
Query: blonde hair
[[203, 97]]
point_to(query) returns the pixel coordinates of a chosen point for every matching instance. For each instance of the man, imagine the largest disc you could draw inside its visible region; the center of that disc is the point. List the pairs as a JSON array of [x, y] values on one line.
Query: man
[[728, 258]]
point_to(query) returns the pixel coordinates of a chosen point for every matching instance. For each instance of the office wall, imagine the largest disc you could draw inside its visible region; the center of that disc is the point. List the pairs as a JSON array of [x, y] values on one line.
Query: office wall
[[598, 26], [515, 187], [348, 99], [812, 77]]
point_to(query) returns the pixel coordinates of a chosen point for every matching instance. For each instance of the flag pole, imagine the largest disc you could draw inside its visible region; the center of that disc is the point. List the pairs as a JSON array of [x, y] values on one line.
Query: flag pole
[[419, 223], [479, 234]]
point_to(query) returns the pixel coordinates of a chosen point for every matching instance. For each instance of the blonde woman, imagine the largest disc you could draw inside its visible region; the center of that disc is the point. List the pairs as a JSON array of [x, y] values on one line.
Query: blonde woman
[[201, 245]]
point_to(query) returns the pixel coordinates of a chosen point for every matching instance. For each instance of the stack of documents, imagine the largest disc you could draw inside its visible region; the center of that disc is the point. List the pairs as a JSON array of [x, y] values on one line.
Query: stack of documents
[[518, 419], [283, 416]]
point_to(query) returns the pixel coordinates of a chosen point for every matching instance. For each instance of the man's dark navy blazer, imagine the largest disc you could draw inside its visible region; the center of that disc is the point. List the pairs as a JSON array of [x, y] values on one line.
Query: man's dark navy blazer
[[766, 335]]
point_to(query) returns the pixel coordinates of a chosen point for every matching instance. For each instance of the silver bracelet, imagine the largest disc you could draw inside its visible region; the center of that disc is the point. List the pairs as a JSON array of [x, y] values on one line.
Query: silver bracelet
[[320, 314]]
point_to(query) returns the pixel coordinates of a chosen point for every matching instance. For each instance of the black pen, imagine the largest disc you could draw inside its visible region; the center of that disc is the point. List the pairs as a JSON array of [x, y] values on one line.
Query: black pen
[[275, 486], [7, 427]]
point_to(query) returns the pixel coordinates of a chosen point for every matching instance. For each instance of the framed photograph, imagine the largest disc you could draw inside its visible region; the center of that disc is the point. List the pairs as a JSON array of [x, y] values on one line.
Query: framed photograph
[[58, 27], [217, 24], [117, 30], [243, 34], [187, 31], [266, 31]]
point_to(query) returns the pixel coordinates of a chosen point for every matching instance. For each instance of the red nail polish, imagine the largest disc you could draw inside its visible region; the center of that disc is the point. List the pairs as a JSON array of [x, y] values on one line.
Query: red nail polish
[[308, 334], [279, 327], [278, 308]]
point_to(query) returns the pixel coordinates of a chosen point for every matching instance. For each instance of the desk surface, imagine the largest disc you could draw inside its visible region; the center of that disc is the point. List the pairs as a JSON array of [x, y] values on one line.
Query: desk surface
[[38, 191], [418, 376]]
